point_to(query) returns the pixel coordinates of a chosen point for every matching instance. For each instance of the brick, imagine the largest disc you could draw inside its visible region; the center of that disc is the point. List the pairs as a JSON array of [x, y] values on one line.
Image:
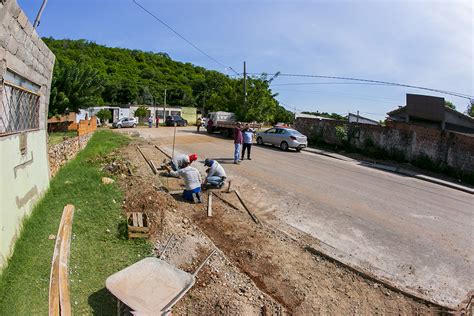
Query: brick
[[12, 45], [22, 19], [4, 38], [13, 8], [29, 29]]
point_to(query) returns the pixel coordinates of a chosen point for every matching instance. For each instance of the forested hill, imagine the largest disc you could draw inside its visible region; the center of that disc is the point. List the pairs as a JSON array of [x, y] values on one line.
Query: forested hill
[[88, 74]]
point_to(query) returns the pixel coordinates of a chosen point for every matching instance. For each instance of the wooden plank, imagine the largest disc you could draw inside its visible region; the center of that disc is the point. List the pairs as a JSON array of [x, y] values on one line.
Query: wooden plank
[[254, 218], [225, 201], [209, 205], [155, 170], [140, 219], [54, 275], [147, 161], [137, 235], [64, 295], [163, 152], [135, 219], [138, 229]]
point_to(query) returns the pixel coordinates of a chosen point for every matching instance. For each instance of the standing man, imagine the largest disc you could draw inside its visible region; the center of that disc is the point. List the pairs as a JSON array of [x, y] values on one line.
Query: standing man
[[198, 123], [237, 142], [150, 121], [215, 174], [157, 121], [248, 140], [192, 182]]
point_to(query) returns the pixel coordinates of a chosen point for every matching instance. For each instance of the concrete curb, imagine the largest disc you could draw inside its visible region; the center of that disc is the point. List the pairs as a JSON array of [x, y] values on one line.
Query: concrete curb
[[398, 170], [423, 177]]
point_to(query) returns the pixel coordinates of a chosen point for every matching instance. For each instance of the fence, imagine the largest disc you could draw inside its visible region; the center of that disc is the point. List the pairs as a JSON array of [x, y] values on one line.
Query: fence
[[407, 141]]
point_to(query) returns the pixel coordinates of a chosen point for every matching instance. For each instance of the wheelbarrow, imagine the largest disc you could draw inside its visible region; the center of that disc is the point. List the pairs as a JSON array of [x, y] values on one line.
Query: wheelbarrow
[[152, 286]]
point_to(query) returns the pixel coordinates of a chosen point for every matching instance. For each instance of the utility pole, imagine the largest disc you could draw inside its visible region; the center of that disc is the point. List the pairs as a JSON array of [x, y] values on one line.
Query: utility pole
[[245, 87], [164, 107], [38, 16]]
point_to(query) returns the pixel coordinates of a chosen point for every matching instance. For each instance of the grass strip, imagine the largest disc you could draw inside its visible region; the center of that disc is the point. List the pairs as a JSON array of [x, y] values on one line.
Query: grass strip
[[99, 245]]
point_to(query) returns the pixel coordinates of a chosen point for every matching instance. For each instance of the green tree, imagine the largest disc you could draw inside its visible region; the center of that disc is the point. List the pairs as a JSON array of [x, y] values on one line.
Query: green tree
[[104, 115], [449, 104], [470, 108], [74, 87], [125, 76], [142, 111]]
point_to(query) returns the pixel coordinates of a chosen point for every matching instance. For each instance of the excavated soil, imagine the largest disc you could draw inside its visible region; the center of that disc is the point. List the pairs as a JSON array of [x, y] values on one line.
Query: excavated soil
[[257, 270]]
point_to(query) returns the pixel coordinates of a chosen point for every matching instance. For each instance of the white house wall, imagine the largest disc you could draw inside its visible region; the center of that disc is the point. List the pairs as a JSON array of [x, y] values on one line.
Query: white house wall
[[24, 174]]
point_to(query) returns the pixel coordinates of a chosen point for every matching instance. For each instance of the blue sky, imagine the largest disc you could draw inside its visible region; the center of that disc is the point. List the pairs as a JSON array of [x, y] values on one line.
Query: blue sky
[[424, 43]]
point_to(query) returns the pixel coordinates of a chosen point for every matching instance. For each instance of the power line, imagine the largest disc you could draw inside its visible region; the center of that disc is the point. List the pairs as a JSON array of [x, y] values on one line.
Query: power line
[[184, 39], [345, 95], [456, 94], [327, 83]]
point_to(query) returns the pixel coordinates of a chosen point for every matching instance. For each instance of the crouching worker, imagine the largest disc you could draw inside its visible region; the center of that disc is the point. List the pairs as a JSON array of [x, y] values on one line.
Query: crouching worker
[[215, 174], [179, 161], [192, 182]]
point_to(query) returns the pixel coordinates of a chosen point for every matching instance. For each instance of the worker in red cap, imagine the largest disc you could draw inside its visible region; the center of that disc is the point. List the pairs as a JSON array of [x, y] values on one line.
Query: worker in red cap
[[193, 157], [179, 162]]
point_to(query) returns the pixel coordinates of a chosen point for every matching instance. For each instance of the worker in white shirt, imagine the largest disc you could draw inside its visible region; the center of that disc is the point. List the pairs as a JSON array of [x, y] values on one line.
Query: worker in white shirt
[[192, 182], [215, 174]]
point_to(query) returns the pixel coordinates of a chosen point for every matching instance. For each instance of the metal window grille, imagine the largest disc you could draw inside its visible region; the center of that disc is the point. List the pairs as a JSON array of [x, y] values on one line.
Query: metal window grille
[[19, 109]]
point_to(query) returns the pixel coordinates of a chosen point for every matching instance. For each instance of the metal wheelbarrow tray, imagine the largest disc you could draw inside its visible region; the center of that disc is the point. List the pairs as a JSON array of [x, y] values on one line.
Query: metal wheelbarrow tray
[[151, 286]]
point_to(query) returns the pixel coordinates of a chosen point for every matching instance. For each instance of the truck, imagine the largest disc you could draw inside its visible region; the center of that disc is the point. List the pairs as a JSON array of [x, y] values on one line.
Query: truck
[[224, 122]]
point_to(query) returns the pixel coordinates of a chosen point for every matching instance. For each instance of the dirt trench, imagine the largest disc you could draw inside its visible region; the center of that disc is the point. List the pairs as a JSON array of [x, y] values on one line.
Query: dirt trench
[[258, 270]]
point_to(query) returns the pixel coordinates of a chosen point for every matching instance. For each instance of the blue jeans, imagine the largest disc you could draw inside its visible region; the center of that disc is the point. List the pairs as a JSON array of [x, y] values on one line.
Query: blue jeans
[[237, 152], [188, 194], [215, 180]]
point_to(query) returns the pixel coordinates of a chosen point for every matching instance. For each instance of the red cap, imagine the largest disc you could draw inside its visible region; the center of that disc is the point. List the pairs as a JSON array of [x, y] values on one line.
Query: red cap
[[193, 157]]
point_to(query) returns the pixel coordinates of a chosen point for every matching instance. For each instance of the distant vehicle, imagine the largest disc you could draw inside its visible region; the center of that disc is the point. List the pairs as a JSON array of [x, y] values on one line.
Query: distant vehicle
[[177, 120], [224, 122], [285, 138], [125, 122]]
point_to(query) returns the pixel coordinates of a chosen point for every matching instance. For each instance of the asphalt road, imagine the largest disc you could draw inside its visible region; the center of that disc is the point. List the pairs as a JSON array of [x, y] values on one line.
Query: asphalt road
[[413, 233]]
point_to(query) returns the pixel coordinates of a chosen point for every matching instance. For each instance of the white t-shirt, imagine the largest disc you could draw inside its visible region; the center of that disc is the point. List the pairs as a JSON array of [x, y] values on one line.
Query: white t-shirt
[[216, 170], [191, 176]]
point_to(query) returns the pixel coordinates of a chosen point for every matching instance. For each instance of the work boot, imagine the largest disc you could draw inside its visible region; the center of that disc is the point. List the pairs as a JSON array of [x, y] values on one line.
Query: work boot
[[197, 198]]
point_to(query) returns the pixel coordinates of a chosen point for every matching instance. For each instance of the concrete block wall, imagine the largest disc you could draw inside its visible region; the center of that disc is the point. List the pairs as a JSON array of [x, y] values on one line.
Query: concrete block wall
[[448, 148], [25, 174]]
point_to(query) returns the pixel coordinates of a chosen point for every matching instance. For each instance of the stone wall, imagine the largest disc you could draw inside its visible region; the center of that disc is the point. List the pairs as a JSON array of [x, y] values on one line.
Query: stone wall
[[61, 153], [24, 157], [412, 141]]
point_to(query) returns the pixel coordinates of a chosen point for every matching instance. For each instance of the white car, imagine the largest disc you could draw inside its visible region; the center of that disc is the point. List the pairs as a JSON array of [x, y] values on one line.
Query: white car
[[285, 138], [125, 122]]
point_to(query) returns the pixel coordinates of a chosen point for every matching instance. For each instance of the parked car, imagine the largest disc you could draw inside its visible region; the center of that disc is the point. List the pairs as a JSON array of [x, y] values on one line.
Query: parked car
[[175, 120], [285, 138], [125, 122]]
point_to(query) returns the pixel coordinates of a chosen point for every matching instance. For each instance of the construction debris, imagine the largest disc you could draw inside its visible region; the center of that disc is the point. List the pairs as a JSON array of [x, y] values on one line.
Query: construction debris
[[107, 180]]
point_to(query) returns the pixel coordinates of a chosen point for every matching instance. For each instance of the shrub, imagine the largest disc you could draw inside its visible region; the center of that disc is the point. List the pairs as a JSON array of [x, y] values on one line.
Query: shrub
[[104, 115]]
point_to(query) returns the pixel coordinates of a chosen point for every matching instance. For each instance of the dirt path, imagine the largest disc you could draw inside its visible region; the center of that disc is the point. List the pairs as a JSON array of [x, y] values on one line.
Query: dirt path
[[258, 270]]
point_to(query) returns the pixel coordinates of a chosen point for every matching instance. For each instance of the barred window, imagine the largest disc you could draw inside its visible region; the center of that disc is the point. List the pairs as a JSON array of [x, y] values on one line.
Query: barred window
[[19, 107]]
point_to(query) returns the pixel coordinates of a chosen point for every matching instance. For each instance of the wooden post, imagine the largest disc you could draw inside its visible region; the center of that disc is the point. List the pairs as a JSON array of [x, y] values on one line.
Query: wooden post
[[228, 187], [209, 205]]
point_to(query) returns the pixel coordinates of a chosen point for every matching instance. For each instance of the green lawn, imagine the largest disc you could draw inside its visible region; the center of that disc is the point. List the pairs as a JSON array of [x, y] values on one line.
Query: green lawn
[[57, 137], [95, 252]]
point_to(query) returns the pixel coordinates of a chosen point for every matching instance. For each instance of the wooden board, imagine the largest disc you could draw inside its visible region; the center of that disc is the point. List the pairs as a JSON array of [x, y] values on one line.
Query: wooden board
[[56, 283], [64, 294], [209, 205]]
